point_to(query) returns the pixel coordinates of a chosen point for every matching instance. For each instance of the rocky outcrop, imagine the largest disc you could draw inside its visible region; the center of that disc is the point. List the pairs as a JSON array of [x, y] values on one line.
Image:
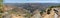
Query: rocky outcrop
[[36, 14], [57, 11], [49, 13]]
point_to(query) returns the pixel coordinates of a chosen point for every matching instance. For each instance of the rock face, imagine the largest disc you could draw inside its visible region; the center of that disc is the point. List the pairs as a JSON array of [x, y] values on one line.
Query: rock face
[[52, 13], [57, 11], [49, 13], [55, 16], [36, 14]]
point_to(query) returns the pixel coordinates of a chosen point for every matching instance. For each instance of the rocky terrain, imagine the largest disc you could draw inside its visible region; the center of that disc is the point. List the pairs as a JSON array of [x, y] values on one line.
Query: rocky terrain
[[29, 10]]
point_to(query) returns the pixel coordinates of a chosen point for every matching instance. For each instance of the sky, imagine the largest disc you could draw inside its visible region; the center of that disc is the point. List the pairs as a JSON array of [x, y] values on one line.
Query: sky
[[31, 1]]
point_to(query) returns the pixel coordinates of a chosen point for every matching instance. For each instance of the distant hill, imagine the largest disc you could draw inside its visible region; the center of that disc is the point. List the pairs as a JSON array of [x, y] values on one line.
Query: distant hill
[[33, 6]]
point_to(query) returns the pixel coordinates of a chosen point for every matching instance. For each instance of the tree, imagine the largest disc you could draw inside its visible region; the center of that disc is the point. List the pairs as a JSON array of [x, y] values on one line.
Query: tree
[[1, 1], [1, 8]]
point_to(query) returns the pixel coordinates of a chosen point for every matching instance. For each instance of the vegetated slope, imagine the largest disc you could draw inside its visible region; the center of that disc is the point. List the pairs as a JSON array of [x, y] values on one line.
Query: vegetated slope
[[33, 6]]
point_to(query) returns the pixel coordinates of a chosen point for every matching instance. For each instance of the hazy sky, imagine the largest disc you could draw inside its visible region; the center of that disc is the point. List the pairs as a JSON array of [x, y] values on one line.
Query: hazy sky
[[31, 1]]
